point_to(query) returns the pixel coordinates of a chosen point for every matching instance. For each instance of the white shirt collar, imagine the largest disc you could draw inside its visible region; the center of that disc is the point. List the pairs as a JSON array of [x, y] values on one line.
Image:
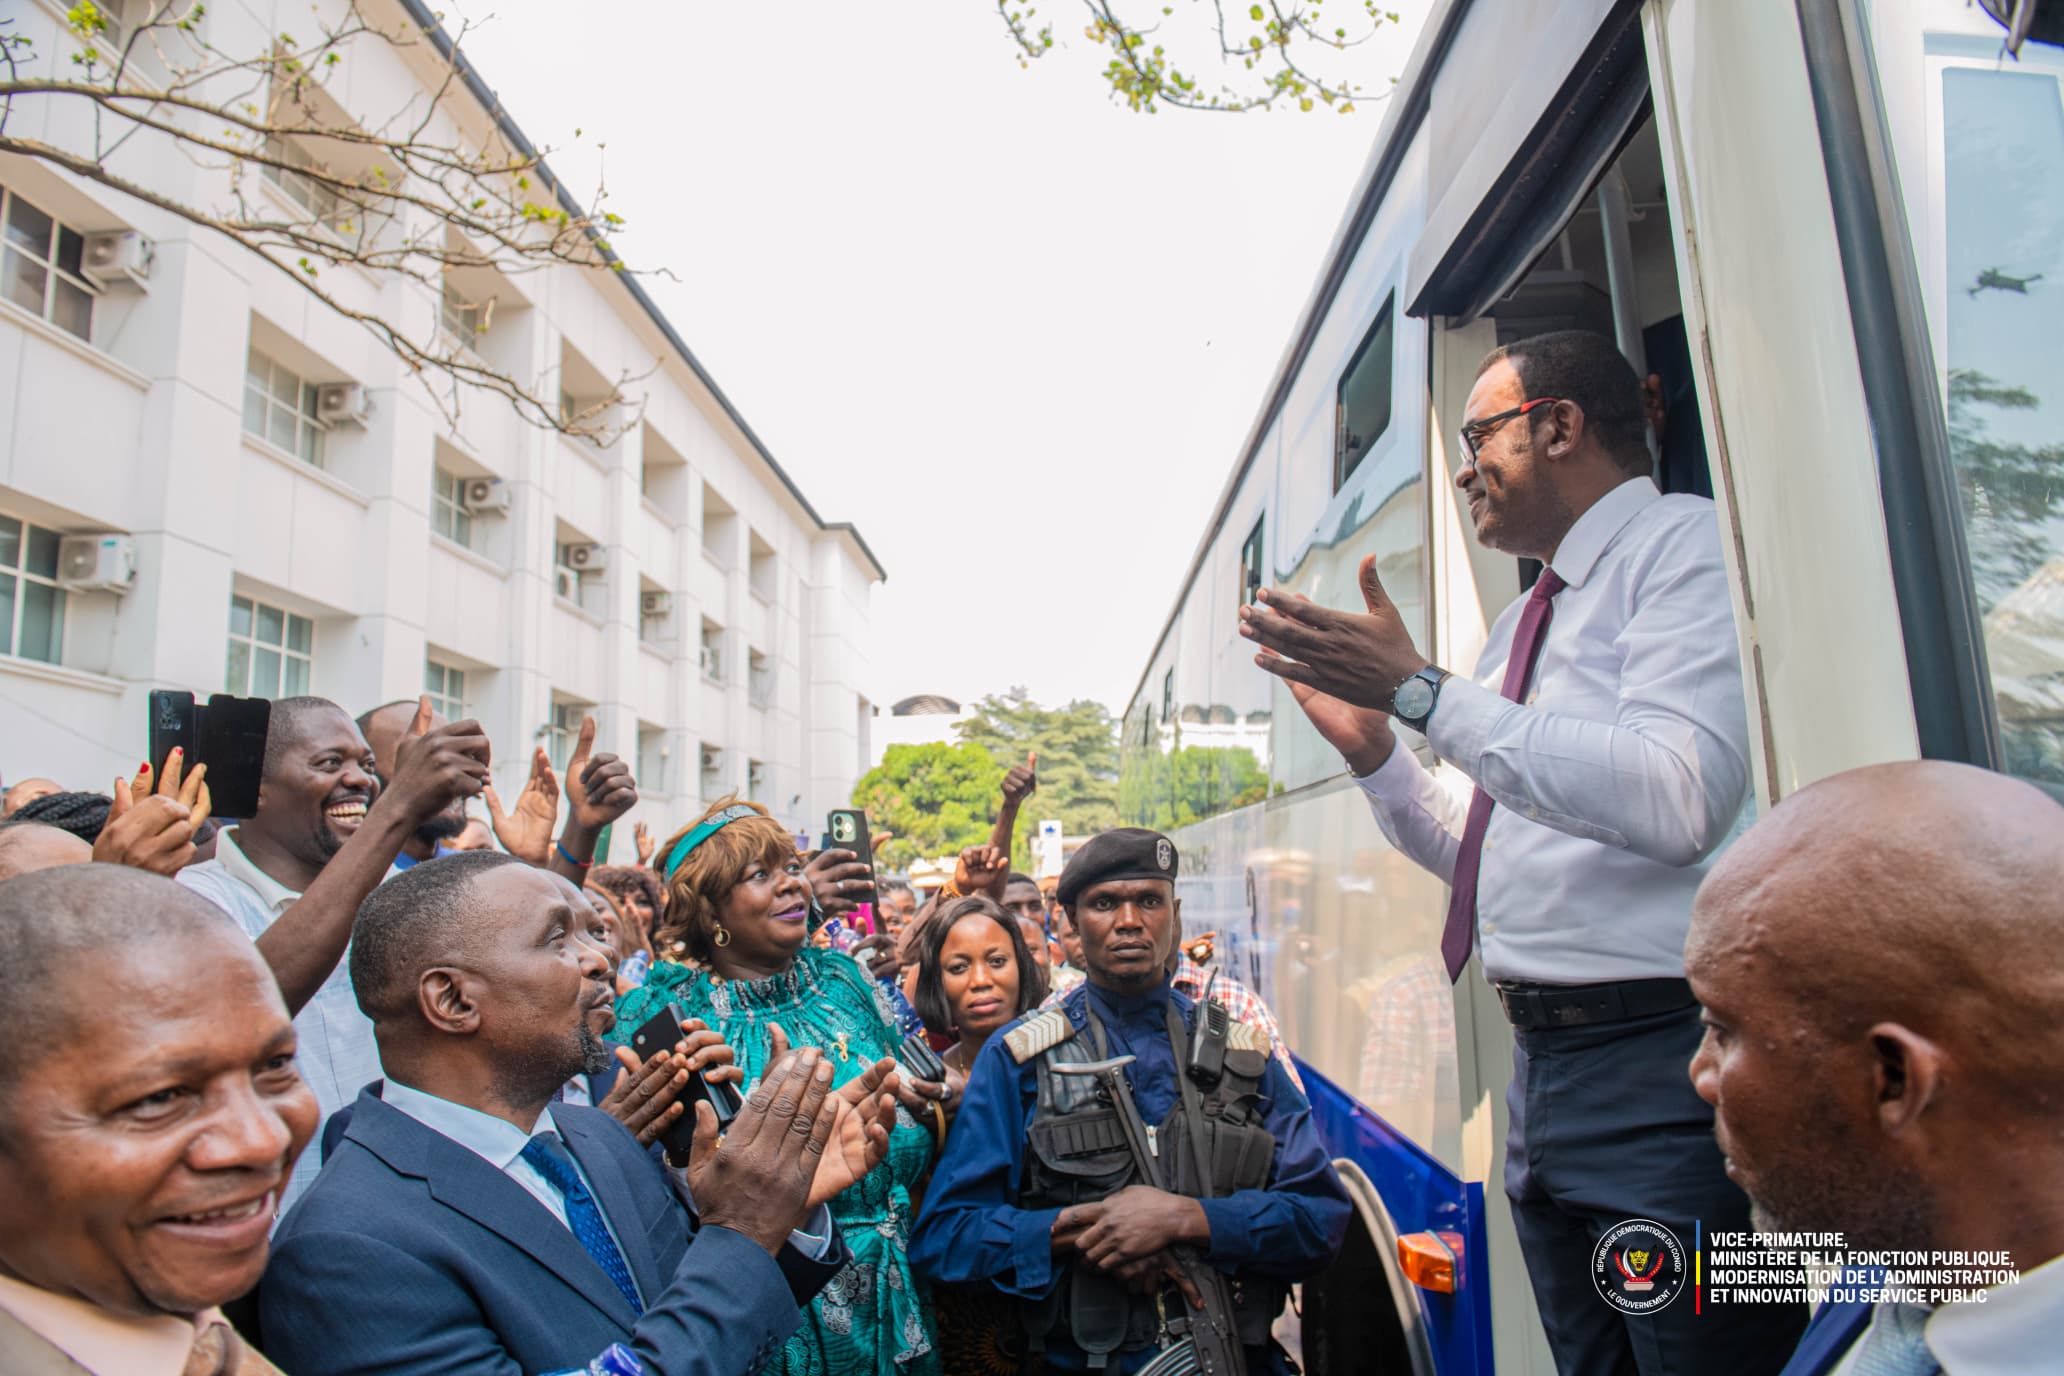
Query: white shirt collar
[[238, 866], [1579, 551], [2014, 1331], [496, 1141]]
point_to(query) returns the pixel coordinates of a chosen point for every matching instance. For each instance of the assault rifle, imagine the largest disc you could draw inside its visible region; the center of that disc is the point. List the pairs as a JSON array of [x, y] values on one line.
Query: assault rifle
[[1206, 1343]]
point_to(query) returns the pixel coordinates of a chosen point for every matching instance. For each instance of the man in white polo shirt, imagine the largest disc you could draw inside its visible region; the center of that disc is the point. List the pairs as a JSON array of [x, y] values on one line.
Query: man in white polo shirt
[[1607, 742]]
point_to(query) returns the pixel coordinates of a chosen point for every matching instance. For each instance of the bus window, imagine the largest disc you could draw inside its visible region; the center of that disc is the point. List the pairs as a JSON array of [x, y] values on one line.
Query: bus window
[[1362, 410], [1250, 563], [1980, 154]]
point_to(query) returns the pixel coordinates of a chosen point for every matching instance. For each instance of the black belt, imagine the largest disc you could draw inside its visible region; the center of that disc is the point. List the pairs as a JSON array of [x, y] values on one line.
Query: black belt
[[1532, 1006]]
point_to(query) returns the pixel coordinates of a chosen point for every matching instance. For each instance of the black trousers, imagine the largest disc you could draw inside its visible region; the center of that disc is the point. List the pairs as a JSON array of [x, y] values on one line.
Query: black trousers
[[1606, 1127]]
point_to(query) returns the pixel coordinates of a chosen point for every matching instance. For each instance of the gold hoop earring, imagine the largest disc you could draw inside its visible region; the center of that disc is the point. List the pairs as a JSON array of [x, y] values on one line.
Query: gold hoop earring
[[723, 935]]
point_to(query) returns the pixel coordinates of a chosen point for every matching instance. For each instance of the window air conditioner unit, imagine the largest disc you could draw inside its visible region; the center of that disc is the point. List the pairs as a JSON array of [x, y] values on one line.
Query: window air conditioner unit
[[342, 403], [118, 256], [655, 603], [587, 558], [485, 496], [712, 760], [96, 563]]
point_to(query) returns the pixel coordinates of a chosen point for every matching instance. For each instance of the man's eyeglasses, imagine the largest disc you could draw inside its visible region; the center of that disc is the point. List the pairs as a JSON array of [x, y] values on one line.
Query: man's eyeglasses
[[1477, 431]]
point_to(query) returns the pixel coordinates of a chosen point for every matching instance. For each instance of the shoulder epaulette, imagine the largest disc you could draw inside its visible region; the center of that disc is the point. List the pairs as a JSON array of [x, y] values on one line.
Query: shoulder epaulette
[[1245, 1036], [1040, 1032]]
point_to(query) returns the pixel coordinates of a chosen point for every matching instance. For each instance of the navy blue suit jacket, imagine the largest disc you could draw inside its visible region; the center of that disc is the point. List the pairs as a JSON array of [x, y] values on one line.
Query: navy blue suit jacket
[[1834, 1329], [411, 1254]]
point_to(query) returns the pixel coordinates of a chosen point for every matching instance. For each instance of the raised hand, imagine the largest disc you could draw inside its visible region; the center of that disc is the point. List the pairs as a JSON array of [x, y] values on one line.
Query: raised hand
[[434, 769], [1022, 781], [981, 868], [155, 831], [835, 876], [759, 1180], [1362, 735], [526, 831], [599, 788], [642, 835], [1360, 658]]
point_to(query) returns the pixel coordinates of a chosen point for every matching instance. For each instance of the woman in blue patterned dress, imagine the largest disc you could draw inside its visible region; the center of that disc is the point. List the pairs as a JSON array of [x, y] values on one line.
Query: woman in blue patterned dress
[[732, 948]]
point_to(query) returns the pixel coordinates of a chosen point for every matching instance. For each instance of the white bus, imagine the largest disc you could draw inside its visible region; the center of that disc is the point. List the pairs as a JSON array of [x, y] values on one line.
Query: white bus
[[1835, 228]]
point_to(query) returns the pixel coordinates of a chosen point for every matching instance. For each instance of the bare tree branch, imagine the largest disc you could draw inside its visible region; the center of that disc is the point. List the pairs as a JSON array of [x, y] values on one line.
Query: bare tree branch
[[310, 187]]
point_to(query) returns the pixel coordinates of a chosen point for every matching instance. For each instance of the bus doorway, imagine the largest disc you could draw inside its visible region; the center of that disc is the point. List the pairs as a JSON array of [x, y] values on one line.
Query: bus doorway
[[1613, 270]]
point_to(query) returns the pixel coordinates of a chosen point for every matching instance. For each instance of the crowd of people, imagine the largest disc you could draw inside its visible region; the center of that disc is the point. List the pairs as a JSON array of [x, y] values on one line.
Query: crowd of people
[[359, 1083]]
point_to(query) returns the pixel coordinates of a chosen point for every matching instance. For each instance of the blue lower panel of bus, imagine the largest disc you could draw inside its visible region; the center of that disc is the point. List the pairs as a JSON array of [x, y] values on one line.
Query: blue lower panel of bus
[[1422, 1196]]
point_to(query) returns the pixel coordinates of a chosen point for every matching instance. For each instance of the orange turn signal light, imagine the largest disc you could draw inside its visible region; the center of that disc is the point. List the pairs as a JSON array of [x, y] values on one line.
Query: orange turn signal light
[[1428, 1260]]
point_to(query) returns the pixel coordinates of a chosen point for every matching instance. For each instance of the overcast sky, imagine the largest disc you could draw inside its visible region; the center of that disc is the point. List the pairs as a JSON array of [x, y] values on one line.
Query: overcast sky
[[1014, 331]]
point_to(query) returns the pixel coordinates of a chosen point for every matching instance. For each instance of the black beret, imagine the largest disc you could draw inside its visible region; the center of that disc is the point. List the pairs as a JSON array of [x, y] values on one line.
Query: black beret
[[1126, 853]]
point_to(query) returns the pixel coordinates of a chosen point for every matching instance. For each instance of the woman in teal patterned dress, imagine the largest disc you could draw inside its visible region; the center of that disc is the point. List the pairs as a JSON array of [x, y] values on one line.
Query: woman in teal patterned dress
[[732, 949]]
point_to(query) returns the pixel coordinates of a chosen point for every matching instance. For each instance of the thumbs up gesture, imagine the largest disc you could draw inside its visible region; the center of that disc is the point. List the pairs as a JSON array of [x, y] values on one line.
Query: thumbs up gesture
[[1023, 780], [1358, 657], [436, 765]]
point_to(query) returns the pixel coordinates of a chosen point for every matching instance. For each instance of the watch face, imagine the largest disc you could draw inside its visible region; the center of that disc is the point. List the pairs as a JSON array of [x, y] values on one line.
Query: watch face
[[1414, 699]]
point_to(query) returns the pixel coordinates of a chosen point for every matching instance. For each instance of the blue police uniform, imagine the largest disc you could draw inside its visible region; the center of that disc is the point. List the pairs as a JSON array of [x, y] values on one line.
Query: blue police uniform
[[971, 1230]]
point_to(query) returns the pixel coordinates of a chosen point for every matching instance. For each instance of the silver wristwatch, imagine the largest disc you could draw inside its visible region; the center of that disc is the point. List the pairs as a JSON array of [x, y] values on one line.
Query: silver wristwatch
[[1413, 702]]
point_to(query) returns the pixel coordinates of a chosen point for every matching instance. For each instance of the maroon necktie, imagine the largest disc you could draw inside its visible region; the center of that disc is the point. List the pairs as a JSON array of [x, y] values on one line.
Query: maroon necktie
[[1460, 933]]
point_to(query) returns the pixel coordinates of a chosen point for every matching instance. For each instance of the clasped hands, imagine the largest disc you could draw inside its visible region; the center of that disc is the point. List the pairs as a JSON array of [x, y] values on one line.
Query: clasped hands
[[1129, 1235], [797, 1142]]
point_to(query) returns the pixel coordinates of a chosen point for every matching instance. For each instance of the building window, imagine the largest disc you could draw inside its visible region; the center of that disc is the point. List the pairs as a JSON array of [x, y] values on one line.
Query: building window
[[1364, 398], [712, 773], [448, 514], [270, 651], [446, 688], [1168, 696], [759, 678], [1250, 563], [563, 733], [32, 605], [711, 654], [41, 269], [567, 574], [459, 315], [652, 759], [280, 408], [755, 780], [318, 198]]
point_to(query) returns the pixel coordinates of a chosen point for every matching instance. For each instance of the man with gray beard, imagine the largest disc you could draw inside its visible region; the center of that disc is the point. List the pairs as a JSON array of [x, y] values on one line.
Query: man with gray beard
[[1884, 1037]]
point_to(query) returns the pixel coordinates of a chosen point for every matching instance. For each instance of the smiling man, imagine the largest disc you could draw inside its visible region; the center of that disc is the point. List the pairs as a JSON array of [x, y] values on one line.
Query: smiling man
[[1036, 1194], [149, 1114], [323, 836], [470, 1222]]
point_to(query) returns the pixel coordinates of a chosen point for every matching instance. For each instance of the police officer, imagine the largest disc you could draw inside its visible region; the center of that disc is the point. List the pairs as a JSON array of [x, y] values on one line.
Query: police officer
[[1039, 1195]]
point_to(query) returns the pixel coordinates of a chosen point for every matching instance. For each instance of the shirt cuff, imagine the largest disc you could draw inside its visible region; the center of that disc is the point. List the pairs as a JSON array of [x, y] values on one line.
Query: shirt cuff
[[1031, 1252], [1460, 728], [813, 1239], [1391, 782], [1230, 1227]]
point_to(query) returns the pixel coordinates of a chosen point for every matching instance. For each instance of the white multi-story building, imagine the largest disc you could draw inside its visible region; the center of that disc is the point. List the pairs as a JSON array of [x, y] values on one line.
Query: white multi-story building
[[676, 584]]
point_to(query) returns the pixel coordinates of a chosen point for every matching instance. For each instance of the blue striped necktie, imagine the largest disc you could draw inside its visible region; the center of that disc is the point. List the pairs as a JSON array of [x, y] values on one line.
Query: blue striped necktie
[[549, 1157]]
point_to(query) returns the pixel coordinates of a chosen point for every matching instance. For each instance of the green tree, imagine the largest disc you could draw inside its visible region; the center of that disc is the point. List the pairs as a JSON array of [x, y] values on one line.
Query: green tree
[[1278, 52], [935, 798], [1190, 784], [1078, 762]]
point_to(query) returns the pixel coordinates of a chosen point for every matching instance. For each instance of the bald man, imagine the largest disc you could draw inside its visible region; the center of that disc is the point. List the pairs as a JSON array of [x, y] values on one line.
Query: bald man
[[149, 1114], [26, 847], [27, 791], [1878, 960]]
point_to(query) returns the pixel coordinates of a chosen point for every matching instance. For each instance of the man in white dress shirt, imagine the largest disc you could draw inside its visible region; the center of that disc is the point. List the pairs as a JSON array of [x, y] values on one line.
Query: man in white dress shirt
[[1605, 736], [1884, 1044]]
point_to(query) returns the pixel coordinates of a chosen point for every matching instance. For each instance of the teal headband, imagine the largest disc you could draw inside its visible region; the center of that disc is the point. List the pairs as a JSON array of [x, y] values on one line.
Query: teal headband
[[702, 831]]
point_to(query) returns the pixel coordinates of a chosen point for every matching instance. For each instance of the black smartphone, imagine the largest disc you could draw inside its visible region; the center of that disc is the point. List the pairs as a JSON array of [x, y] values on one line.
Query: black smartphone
[[917, 1057], [846, 829], [227, 735], [661, 1032]]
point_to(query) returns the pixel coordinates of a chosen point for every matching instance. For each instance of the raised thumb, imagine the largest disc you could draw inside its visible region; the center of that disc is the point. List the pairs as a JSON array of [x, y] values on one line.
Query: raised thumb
[[1373, 595]]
